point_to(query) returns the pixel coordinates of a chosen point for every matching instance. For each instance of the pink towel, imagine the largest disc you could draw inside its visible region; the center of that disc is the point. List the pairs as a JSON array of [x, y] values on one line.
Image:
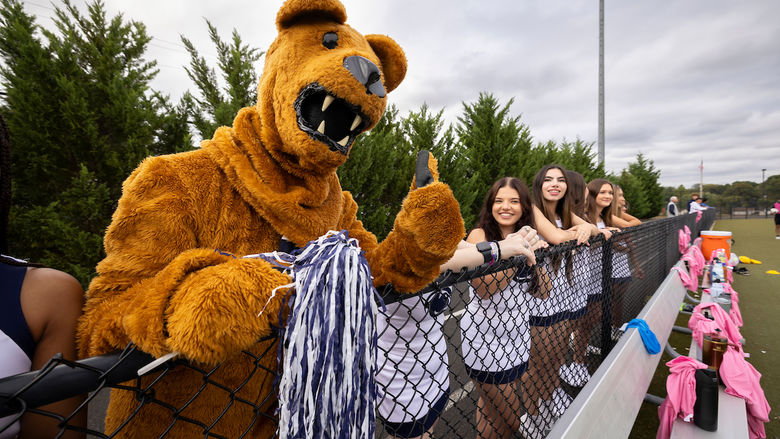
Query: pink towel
[[684, 239], [690, 282], [742, 380], [701, 325], [680, 394], [735, 314]]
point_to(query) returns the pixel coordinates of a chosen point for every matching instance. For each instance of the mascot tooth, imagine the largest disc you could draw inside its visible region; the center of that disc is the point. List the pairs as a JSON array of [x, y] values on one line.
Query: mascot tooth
[[272, 173]]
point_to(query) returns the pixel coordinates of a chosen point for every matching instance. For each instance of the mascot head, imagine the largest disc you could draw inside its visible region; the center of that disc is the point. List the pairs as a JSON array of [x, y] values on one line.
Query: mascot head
[[323, 84]]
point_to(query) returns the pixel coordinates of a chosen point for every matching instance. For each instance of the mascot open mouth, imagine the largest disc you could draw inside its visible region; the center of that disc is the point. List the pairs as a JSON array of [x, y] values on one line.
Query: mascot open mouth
[[329, 119]]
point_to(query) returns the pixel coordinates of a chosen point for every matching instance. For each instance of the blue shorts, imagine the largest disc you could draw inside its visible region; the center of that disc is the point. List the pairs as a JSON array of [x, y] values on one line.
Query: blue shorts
[[576, 315], [595, 298], [500, 377], [621, 280], [418, 426], [548, 320]]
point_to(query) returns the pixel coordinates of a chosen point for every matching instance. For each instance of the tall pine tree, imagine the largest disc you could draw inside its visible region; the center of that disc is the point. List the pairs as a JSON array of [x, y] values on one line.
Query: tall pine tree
[[494, 144], [213, 107], [81, 117]]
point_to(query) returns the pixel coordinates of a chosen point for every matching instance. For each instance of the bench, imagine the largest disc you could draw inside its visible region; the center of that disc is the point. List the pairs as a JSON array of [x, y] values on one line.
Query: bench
[[608, 405], [732, 413]]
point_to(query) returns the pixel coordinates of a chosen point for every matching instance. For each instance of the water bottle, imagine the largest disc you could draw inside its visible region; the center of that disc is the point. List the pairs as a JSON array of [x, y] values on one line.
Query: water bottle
[[705, 410]]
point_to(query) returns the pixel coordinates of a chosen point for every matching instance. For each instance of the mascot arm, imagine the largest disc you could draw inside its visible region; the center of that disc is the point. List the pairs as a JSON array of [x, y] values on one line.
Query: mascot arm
[[158, 290], [425, 234]]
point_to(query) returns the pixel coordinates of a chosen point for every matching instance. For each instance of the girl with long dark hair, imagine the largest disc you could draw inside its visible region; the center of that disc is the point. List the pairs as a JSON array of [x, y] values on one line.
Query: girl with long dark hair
[[495, 331], [544, 398]]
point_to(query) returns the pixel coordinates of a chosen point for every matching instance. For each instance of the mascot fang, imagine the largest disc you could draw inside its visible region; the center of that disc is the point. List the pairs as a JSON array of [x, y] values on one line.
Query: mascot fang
[[272, 174]]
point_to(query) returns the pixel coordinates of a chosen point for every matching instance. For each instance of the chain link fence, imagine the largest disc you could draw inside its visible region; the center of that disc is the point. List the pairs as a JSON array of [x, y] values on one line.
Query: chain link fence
[[487, 352]]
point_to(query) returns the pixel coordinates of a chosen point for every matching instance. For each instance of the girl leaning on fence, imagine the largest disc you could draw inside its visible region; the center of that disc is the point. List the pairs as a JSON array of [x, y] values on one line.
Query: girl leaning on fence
[[412, 369], [494, 327], [599, 212], [544, 398]]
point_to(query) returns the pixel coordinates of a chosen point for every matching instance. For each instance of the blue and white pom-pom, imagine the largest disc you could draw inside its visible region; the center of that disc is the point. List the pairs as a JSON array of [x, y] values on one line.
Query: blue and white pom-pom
[[328, 349]]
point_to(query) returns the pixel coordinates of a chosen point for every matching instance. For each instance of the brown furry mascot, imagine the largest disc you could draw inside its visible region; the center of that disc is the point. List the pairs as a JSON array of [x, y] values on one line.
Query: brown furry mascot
[[164, 287]]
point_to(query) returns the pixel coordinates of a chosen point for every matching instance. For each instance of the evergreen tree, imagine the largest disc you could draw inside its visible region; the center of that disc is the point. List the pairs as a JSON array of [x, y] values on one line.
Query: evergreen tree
[[634, 194], [81, 117], [645, 172], [236, 62], [379, 173], [494, 144]]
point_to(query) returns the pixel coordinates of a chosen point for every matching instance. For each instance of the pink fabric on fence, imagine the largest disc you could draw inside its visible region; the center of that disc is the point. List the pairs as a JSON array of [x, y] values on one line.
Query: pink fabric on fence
[[690, 282], [684, 239], [698, 216], [735, 313], [701, 325], [680, 394], [695, 260], [743, 380]]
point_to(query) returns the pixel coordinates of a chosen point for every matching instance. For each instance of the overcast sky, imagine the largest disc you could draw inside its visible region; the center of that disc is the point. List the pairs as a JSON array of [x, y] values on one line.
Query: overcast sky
[[685, 80]]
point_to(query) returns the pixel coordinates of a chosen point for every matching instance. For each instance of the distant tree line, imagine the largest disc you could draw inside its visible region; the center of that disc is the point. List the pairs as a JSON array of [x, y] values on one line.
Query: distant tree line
[[81, 116], [736, 195]]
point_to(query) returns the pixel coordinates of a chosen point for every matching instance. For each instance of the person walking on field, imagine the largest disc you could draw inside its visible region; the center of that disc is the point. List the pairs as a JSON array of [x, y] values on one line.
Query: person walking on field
[[777, 218], [671, 208]]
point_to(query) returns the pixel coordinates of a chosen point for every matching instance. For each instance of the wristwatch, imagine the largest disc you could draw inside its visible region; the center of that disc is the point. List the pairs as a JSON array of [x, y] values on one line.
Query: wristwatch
[[486, 249]]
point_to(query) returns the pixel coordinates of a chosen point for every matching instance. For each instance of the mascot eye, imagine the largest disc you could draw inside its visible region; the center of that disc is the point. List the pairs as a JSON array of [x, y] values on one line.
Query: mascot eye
[[330, 40]]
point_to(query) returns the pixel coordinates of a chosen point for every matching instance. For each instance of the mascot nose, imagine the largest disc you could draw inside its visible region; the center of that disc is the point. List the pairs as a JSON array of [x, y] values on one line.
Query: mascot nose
[[367, 73]]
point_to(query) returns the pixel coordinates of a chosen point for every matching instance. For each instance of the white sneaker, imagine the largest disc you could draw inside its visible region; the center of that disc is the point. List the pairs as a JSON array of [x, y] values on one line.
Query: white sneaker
[[616, 333], [593, 350], [532, 427], [574, 374], [582, 373], [554, 408], [777, 237]]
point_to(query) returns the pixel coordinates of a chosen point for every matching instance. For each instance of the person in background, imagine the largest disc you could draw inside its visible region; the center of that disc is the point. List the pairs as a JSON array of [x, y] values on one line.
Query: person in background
[[671, 208], [694, 196], [697, 205], [39, 308], [777, 218]]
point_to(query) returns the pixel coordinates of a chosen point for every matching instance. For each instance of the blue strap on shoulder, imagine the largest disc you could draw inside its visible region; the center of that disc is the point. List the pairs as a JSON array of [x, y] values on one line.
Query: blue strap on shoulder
[[648, 336]]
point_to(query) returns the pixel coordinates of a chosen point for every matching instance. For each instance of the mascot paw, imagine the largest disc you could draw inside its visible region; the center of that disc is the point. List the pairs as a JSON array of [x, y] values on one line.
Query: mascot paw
[[425, 171]]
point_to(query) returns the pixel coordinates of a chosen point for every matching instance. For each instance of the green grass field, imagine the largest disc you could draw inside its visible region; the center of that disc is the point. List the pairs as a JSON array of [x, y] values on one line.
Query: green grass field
[[759, 295]]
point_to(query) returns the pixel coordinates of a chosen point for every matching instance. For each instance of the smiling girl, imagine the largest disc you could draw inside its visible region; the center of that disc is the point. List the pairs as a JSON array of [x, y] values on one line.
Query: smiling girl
[[495, 325], [544, 398]]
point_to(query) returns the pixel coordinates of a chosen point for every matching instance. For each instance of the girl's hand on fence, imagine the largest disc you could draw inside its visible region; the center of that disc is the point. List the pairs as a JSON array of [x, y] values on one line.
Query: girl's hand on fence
[[581, 233], [520, 243]]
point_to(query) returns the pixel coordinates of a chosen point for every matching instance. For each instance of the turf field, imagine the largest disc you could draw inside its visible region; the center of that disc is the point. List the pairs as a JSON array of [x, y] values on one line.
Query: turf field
[[759, 295]]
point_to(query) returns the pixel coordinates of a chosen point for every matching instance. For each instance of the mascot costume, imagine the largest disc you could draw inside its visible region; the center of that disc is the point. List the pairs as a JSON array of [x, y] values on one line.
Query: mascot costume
[[271, 175]]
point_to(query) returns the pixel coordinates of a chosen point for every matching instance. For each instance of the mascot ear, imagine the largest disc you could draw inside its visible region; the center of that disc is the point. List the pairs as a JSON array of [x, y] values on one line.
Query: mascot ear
[[294, 10], [392, 58]]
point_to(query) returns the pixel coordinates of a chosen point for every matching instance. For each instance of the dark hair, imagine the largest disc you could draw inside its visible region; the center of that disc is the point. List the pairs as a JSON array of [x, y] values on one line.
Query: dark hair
[[576, 192], [486, 221], [563, 208], [594, 187]]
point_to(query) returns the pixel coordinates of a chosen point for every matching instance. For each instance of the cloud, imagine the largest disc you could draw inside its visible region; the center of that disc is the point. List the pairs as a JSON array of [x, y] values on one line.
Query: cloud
[[684, 81]]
